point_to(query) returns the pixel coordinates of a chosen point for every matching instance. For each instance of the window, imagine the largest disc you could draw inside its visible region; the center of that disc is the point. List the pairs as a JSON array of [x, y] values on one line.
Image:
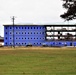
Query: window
[[34, 43], [22, 43], [10, 43], [31, 38], [40, 43], [6, 32], [16, 43], [10, 28], [59, 42], [34, 38], [37, 38], [25, 32], [10, 33], [34, 27], [6, 27], [22, 27], [40, 32], [37, 32], [22, 32], [40, 38], [6, 43], [31, 32], [10, 38], [37, 27], [16, 32], [28, 32], [28, 27], [22, 38], [6, 37], [16, 27], [37, 43], [16, 38], [25, 38], [31, 27], [25, 27], [25, 43], [34, 32], [28, 38]]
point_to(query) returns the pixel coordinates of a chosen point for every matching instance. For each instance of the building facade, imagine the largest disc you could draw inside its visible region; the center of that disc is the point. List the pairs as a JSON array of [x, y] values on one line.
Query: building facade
[[36, 35], [22, 35]]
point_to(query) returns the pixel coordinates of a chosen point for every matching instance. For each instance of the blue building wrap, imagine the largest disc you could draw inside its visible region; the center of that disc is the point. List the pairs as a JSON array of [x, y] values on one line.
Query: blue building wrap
[[24, 35]]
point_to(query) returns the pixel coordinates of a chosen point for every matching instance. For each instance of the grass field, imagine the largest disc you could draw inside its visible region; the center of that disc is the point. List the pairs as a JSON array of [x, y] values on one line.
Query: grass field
[[38, 61]]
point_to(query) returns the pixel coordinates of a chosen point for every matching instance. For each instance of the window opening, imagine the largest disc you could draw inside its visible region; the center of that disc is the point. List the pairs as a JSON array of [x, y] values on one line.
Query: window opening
[[22, 32], [10, 28], [6, 43], [6, 37], [6, 32], [10, 32]]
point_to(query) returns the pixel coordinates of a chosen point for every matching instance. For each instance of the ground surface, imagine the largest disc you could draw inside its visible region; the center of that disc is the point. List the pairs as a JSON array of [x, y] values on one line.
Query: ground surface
[[38, 61]]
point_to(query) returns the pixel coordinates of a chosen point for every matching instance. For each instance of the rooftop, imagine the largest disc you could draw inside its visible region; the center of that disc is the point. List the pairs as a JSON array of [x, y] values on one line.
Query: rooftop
[[41, 25]]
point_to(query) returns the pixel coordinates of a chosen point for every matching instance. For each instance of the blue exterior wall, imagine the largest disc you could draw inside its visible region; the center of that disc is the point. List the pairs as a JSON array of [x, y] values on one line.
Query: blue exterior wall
[[61, 43], [24, 35], [30, 34]]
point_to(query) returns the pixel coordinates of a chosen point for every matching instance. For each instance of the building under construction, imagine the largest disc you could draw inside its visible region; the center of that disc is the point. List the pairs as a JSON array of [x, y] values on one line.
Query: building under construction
[[38, 35]]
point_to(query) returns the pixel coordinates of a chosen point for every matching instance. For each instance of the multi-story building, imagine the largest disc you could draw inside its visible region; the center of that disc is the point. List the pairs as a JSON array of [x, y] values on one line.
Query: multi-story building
[[22, 35], [38, 35]]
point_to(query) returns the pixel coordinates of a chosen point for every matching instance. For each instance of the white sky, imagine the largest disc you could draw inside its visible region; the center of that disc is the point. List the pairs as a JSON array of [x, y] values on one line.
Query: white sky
[[30, 11]]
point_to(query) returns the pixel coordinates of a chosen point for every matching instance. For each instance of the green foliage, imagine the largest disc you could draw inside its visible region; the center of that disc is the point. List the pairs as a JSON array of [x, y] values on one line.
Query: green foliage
[[38, 62]]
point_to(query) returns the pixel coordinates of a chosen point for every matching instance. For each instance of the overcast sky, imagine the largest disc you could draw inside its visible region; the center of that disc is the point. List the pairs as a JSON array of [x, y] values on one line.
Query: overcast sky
[[30, 11]]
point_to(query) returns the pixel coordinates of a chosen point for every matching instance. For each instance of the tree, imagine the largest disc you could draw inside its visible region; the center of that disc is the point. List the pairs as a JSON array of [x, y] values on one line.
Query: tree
[[70, 6]]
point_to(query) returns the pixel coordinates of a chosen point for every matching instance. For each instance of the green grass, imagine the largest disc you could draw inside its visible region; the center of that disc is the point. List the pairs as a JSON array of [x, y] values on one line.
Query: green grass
[[38, 62]]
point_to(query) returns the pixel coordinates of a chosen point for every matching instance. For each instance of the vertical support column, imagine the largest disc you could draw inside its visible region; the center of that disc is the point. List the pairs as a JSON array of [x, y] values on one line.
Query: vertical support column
[[53, 32]]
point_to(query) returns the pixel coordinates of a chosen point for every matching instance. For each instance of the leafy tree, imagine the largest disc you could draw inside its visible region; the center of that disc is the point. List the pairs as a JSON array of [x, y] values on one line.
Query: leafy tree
[[70, 6]]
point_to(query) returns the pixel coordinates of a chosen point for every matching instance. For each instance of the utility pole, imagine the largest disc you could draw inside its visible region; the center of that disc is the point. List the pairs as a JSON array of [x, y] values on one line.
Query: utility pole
[[13, 19]]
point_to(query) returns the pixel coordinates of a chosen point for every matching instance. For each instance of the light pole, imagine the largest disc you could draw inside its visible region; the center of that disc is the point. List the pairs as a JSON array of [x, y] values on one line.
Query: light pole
[[13, 18]]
